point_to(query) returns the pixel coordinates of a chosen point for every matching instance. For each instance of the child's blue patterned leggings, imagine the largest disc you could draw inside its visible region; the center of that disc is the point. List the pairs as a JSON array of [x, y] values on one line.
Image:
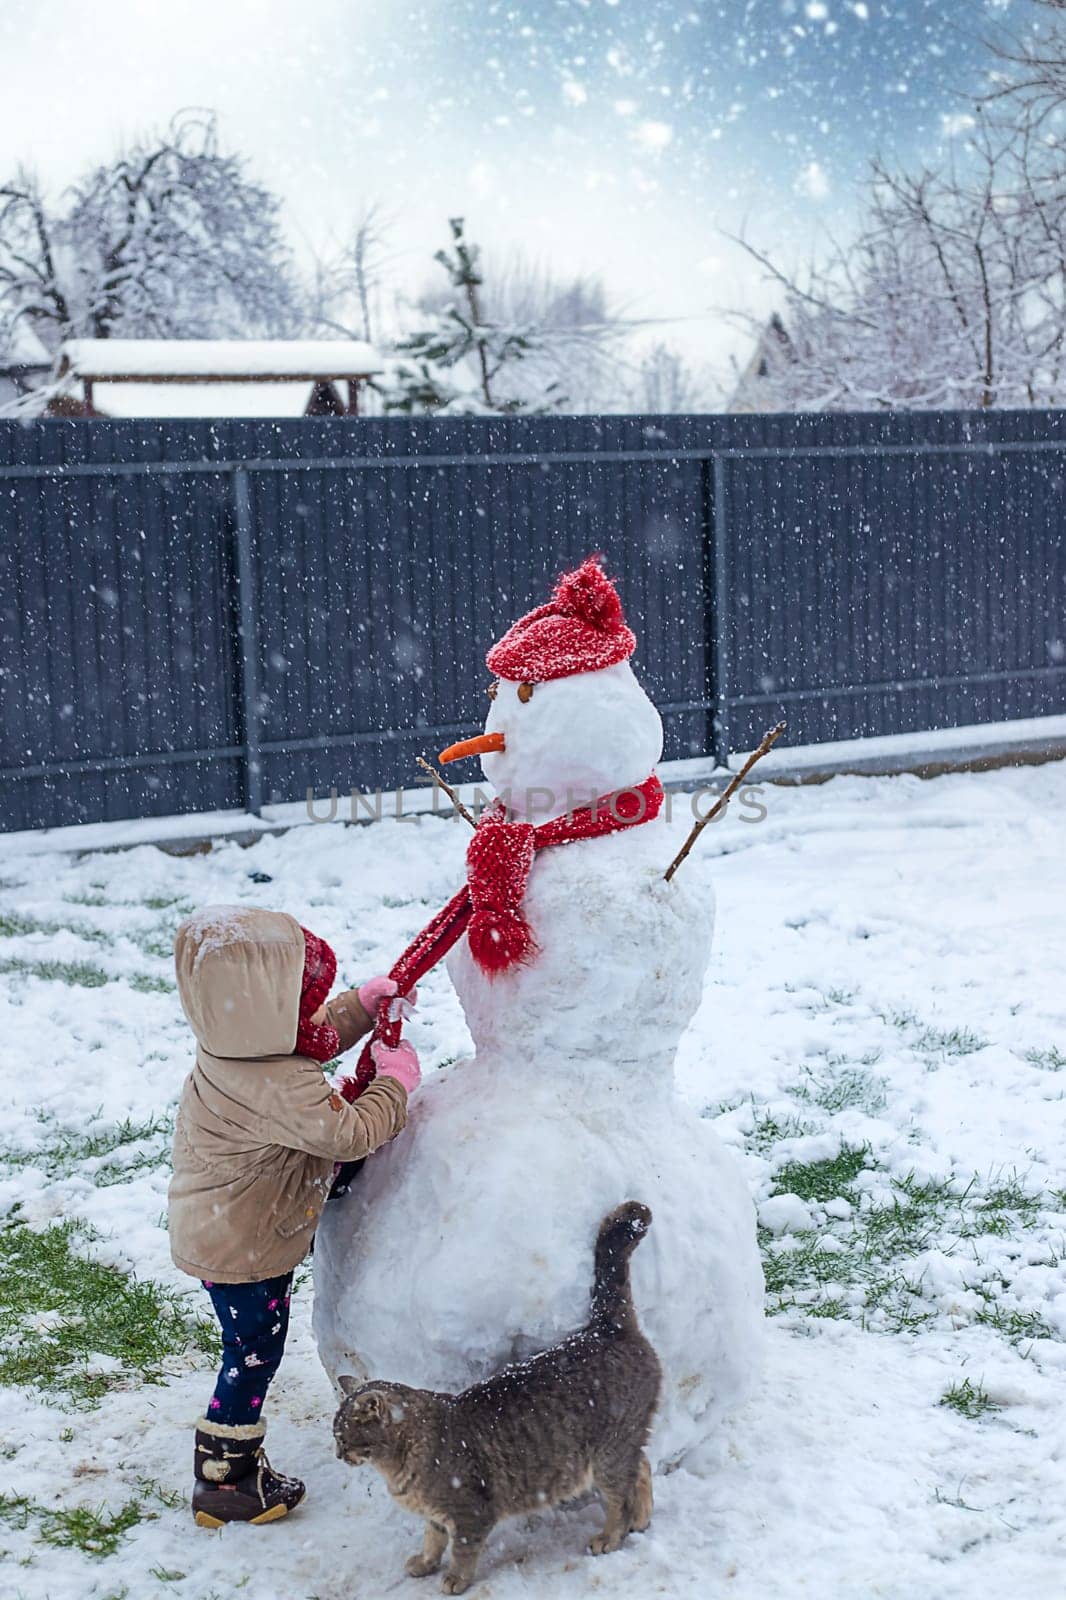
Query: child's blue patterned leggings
[[255, 1320]]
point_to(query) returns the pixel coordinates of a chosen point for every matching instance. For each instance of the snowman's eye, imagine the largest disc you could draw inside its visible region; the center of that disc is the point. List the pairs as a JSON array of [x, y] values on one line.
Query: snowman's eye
[[491, 690], [525, 693]]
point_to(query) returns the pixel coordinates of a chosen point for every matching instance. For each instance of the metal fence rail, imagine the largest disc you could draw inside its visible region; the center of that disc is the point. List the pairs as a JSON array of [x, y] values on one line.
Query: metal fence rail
[[198, 616]]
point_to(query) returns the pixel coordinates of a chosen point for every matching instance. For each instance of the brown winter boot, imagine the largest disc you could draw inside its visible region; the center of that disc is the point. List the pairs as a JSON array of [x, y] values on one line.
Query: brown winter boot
[[234, 1480]]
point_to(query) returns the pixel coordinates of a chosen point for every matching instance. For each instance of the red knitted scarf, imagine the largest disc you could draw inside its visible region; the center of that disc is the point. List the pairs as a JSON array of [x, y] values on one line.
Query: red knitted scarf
[[489, 906]]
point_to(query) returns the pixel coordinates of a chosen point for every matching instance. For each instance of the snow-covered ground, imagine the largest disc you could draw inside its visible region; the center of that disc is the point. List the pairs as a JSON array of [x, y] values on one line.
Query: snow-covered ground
[[883, 1041]]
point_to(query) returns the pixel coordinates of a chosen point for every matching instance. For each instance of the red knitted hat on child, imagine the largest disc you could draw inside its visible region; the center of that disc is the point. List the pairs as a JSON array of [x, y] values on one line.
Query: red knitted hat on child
[[319, 1041], [581, 629]]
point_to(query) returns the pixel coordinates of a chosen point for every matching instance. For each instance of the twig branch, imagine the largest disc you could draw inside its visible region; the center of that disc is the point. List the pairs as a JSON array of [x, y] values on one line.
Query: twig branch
[[448, 790], [724, 798]]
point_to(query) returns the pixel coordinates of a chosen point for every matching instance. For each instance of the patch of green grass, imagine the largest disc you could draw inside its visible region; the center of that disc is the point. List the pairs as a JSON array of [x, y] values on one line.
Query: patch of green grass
[[807, 1264], [154, 1490], [76, 973], [1020, 1327], [768, 1130], [1006, 1206], [95, 1533], [822, 999], [80, 975], [148, 985], [1052, 1059], [840, 997], [868, 1250], [165, 1576], [823, 1180], [86, 1311], [717, 1108], [899, 1019], [851, 1088], [13, 926], [72, 1148], [837, 1309], [898, 1303], [949, 1041], [861, 1265], [969, 1400], [907, 1224], [928, 1040]]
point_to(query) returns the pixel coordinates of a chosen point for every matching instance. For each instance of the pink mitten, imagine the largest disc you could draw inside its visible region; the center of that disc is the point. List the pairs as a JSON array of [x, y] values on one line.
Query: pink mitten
[[373, 992], [401, 1063]]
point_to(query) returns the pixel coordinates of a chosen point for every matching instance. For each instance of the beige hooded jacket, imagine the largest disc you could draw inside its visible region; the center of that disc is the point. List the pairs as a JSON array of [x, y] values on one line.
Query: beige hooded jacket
[[258, 1128]]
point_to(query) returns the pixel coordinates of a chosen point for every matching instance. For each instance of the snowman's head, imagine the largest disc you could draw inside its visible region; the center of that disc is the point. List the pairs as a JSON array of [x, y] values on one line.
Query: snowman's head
[[569, 722]]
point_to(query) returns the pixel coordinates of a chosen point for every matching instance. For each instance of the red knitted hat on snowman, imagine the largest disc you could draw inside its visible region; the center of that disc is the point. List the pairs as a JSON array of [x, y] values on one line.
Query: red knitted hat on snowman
[[581, 629]]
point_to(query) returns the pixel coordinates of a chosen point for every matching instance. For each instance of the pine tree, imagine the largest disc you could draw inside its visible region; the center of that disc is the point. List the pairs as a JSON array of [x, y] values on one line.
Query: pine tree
[[461, 360]]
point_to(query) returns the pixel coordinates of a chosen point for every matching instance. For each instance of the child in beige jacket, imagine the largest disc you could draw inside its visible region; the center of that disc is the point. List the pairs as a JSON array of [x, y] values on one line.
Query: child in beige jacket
[[258, 1138]]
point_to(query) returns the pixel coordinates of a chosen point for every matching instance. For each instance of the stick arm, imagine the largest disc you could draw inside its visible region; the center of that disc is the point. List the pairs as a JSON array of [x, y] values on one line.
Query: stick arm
[[768, 740]]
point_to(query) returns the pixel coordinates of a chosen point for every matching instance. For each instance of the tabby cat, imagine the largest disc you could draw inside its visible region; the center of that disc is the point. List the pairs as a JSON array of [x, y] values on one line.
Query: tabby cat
[[573, 1418]]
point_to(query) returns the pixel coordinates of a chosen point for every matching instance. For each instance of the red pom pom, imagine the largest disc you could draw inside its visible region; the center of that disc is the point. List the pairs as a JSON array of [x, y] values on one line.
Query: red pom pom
[[589, 594], [499, 939]]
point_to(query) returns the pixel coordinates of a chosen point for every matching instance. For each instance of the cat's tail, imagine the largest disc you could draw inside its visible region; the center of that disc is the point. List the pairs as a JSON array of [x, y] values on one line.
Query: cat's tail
[[620, 1233]]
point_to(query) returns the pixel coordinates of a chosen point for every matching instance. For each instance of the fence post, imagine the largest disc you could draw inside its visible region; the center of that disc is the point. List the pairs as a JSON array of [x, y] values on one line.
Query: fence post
[[247, 643], [716, 591]]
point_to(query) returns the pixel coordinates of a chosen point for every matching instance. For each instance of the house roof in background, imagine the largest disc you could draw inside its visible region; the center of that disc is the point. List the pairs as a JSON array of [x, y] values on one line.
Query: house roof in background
[[216, 360]]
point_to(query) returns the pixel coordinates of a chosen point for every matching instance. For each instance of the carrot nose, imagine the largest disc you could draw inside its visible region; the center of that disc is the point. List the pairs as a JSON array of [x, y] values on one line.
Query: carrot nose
[[472, 747]]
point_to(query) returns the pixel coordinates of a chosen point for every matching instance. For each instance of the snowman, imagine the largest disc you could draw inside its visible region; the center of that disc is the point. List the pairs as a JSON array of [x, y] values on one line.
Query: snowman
[[467, 1243]]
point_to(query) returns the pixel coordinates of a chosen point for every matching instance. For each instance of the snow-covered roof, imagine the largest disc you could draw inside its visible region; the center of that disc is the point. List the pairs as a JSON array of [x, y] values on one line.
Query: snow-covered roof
[[216, 360]]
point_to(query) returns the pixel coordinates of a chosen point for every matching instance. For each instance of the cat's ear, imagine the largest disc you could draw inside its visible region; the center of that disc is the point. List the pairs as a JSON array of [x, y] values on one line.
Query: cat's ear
[[348, 1384], [376, 1403]]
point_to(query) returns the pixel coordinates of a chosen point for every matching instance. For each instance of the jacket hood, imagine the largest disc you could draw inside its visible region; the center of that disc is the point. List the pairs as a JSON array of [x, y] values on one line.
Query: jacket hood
[[240, 975]]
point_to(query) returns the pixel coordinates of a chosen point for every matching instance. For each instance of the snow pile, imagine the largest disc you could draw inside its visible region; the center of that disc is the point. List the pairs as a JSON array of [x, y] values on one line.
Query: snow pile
[[469, 1242]]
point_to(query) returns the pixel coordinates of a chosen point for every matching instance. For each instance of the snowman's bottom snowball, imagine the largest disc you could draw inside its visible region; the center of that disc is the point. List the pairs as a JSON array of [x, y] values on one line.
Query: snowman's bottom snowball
[[468, 1242]]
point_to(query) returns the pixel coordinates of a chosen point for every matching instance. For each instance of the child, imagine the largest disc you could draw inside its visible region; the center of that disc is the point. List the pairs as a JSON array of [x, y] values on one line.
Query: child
[[258, 1135]]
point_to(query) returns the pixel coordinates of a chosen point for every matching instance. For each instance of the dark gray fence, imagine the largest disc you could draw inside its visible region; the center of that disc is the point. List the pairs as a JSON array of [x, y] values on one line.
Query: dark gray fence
[[204, 615]]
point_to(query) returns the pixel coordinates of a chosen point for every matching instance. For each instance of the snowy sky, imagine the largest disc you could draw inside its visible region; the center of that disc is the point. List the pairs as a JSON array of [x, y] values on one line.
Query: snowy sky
[[615, 136]]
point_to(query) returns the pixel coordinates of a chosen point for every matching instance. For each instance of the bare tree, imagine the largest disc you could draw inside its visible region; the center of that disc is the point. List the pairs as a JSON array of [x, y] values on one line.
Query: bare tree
[[1030, 71], [581, 334], [952, 293], [172, 239], [346, 287], [666, 382]]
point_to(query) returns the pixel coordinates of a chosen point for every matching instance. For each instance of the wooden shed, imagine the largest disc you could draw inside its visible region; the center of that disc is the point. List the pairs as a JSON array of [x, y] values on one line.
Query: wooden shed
[[211, 377]]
